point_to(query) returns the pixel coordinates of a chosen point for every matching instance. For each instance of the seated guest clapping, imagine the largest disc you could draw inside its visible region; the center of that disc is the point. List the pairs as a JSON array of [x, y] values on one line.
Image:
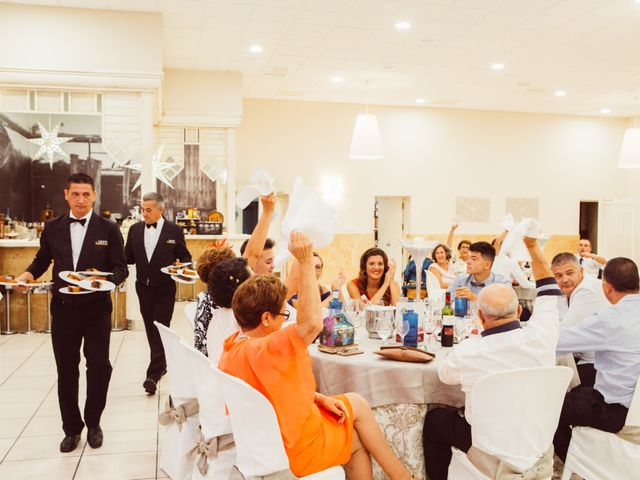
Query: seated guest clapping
[[582, 296], [224, 280], [479, 274], [375, 279], [613, 334], [318, 431], [441, 266], [504, 345]]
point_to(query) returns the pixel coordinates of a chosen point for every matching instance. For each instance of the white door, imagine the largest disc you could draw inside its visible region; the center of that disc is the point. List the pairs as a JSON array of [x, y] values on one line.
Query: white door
[[618, 229], [391, 229]]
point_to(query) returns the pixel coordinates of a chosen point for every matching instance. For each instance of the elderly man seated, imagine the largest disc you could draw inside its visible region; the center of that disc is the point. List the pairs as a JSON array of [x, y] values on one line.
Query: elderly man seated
[[479, 274], [613, 334], [582, 296], [504, 345]]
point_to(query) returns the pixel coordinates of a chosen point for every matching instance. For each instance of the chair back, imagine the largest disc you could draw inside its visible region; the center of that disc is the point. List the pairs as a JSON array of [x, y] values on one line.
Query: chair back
[[516, 412], [633, 416], [260, 450], [434, 291], [181, 381], [190, 312]]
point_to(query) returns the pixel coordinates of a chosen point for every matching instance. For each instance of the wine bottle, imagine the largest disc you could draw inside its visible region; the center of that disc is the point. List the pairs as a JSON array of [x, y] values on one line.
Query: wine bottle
[[447, 309]]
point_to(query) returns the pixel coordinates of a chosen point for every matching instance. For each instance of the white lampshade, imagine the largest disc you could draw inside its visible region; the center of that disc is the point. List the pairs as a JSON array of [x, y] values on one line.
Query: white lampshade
[[630, 150], [366, 143]]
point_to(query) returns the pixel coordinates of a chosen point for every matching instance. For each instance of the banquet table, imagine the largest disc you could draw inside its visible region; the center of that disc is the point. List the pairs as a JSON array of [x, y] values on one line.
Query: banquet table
[[398, 392]]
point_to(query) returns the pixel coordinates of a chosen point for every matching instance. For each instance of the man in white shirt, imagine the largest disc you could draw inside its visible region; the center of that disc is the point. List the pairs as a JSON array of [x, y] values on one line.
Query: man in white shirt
[[504, 345], [582, 296], [592, 263], [613, 334]]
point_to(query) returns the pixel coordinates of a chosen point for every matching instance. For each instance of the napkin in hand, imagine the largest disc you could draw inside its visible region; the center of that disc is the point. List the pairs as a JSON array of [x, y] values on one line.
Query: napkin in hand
[[513, 246], [261, 184], [307, 213]]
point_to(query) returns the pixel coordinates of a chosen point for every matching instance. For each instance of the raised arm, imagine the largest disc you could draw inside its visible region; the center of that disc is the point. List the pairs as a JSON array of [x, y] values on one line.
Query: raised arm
[[309, 318], [499, 239], [452, 230], [255, 245]]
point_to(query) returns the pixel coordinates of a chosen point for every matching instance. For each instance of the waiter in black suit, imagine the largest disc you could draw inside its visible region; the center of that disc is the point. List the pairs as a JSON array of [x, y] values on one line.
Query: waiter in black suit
[[78, 241], [151, 245]]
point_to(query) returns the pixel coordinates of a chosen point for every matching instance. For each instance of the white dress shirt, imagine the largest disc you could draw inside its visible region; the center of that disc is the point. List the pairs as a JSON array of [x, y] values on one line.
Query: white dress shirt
[[613, 334], [151, 236], [509, 269], [78, 232], [590, 266], [506, 347], [585, 300]]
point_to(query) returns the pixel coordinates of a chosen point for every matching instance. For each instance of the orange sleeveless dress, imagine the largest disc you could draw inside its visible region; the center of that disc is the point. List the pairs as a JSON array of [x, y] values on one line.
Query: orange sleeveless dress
[[279, 367]]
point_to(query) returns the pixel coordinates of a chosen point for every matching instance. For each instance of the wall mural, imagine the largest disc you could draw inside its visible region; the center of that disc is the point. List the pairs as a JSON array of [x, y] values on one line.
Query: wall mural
[[39, 151]]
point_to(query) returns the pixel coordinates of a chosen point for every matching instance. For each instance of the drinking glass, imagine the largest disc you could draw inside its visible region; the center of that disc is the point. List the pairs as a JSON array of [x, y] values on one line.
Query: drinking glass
[[384, 327], [402, 328]]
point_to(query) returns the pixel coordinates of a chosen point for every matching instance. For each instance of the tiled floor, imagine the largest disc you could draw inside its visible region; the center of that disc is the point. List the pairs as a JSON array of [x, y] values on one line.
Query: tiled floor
[[30, 425]]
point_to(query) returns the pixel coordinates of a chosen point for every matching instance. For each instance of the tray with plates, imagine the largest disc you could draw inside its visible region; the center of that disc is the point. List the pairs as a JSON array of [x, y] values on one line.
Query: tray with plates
[[97, 285]]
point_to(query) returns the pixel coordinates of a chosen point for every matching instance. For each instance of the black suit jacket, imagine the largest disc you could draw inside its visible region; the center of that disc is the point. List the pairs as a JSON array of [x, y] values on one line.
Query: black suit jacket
[[171, 246], [103, 248]]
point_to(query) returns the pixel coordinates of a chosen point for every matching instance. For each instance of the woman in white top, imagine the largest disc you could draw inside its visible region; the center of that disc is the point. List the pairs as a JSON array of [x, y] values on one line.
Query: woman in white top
[[224, 280], [441, 266]]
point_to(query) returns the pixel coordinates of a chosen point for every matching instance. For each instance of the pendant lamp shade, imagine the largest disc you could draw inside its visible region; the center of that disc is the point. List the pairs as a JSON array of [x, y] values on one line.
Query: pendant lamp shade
[[630, 150], [366, 143]]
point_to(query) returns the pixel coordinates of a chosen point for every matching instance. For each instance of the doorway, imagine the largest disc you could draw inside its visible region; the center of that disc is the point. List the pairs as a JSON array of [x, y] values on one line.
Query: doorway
[[389, 227], [589, 223]]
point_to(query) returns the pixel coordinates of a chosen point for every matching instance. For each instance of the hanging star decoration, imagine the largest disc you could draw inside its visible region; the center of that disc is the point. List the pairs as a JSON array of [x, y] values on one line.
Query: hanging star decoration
[[49, 143], [164, 171]]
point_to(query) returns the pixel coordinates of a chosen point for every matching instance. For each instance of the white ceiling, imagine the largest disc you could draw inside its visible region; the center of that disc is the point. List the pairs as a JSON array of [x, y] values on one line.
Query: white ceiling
[[590, 48]]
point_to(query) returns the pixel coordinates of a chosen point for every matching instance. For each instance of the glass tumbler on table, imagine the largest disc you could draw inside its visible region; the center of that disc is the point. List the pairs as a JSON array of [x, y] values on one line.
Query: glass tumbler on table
[[384, 327]]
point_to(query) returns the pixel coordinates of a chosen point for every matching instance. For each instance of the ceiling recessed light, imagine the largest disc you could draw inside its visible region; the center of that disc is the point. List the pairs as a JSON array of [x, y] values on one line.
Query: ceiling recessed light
[[337, 79], [559, 93], [420, 100], [256, 49], [606, 110], [403, 25], [497, 66]]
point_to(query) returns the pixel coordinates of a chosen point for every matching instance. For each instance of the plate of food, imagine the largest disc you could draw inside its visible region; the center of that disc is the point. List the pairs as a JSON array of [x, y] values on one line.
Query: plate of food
[[94, 271], [97, 285], [74, 290], [188, 272], [8, 281], [171, 270], [180, 278], [180, 264], [72, 277]]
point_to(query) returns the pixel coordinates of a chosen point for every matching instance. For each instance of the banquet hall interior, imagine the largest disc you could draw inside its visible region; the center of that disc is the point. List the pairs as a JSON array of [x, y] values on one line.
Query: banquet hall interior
[[454, 134]]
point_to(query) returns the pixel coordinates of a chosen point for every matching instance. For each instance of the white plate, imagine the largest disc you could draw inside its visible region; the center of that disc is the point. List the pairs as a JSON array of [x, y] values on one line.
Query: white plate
[[105, 285], [166, 269], [184, 264], [25, 284], [10, 284], [64, 275], [180, 279], [66, 290], [98, 273]]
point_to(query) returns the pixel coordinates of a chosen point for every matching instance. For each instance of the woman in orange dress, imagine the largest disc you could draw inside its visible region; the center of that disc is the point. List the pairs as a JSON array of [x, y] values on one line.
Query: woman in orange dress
[[318, 431]]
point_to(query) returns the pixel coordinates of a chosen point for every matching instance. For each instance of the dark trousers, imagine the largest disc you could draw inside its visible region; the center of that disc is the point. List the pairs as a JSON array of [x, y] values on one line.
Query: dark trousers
[[72, 322], [587, 374], [443, 428], [585, 406], [156, 304]]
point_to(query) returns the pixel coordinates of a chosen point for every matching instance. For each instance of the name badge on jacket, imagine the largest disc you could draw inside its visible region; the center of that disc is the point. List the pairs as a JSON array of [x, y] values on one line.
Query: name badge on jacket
[[102, 243], [171, 241]]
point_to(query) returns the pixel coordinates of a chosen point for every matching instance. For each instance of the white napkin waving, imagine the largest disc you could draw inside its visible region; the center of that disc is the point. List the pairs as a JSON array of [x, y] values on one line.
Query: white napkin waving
[[307, 213], [261, 184], [513, 246]]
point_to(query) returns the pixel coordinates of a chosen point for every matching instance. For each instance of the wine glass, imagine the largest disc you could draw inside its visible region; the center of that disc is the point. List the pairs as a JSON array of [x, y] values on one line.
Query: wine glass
[[384, 327], [402, 328]]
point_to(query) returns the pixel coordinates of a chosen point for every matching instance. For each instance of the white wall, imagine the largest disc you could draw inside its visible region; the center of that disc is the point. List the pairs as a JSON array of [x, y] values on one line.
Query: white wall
[[41, 40], [433, 155]]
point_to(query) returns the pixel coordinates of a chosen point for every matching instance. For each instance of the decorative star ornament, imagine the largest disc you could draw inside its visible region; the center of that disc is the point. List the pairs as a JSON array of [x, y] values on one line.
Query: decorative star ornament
[[163, 171], [49, 143]]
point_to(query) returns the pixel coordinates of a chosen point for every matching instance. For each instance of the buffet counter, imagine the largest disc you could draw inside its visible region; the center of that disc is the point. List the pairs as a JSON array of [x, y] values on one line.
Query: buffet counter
[[16, 255]]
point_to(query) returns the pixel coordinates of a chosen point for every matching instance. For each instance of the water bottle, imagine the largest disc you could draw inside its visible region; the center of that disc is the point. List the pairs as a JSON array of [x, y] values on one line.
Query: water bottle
[[335, 305], [411, 338]]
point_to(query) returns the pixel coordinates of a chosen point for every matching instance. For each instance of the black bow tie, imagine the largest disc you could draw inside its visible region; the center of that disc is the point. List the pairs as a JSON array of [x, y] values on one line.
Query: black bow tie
[[154, 225], [81, 221], [478, 284]]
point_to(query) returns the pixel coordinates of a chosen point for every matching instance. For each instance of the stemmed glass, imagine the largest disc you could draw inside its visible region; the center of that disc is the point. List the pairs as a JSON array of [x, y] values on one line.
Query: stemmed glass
[[384, 327], [402, 328]]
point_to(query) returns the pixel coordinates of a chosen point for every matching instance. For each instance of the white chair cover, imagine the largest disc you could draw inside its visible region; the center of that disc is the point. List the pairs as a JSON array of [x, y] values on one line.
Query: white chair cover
[[214, 421], [256, 431], [190, 312], [515, 415], [178, 442], [435, 293], [599, 455]]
